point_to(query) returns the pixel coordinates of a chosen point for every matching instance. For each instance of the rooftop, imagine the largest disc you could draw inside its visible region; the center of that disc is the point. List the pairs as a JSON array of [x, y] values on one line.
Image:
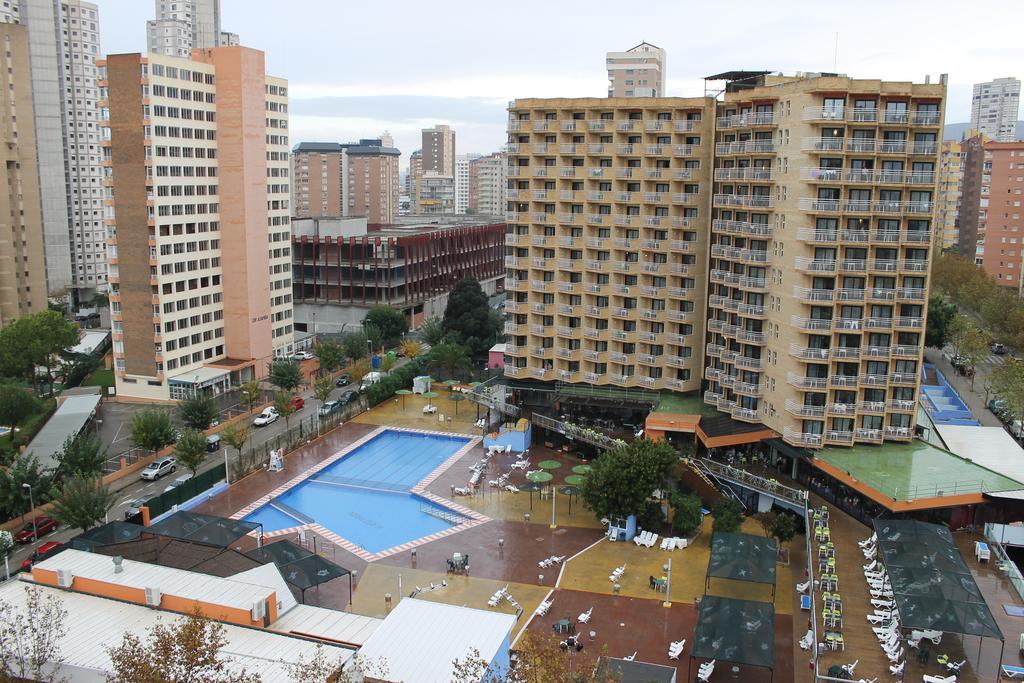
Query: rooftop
[[70, 418], [989, 447]]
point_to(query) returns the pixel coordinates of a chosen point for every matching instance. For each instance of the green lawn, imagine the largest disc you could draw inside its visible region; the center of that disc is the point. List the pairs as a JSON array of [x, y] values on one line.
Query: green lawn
[[100, 378], [685, 404]]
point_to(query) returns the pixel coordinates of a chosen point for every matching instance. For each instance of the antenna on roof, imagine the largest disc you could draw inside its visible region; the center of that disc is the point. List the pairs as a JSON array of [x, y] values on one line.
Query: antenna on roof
[[835, 55]]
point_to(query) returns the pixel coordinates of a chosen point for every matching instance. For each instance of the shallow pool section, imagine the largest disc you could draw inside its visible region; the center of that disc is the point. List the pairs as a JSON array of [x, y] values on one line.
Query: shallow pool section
[[365, 496]]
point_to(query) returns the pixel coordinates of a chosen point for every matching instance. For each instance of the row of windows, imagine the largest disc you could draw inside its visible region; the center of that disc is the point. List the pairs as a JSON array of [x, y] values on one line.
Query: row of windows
[[186, 209], [189, 228], [183, 94], [185, 190], [187, 133], [188, 247], [180, 391], [186, 171], [192, 302], [184, 323], [182, 74], [186, 152], [188, 266], [189, 285], [179, 113], [197, 338]]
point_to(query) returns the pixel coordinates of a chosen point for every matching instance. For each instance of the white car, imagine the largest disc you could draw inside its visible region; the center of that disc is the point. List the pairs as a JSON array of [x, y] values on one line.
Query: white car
[[159, 468], [268, 415], [303, 355]]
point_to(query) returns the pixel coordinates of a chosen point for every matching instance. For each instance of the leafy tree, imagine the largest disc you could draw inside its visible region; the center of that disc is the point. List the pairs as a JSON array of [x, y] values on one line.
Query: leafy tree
[[317, 669], [16, 349], [767, 520], [356, 345], [285, 374], [1008, 381], [30, 638], [974, 347], [940, 314], [728, 514], [410, 348], [99, 300], [191, 449], [331, 355], [651, 516], [83, 456], [52, 335], [387, 364], [624, 477], [470, 318], [358, 369], [83, 501], [322, 389], [539, 659], [186, 651], [451, 358], [250, 393], [784, 528], [687, 516], [152, 429], [959, 328], [390, 321], [16, 406], [197, 412], [14, 497], [235, 435], [374, 337], [284, 405], [432, 331]]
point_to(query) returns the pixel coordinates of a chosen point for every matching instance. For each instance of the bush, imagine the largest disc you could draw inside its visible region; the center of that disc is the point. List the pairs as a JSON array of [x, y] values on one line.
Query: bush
[[651, 517], [728, 514], [686, 516]]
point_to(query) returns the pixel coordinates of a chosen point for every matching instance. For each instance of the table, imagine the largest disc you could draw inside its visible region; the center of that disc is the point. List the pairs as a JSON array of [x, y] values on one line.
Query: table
[[582, 469], [564, 626], [531, 487]]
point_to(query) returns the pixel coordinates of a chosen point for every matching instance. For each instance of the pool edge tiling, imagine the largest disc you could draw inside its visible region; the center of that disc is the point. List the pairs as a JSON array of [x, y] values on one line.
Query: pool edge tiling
[[419, 489]]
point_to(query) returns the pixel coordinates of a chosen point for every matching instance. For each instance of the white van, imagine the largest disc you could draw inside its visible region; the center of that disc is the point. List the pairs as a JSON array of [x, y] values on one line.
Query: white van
[[369, 379]]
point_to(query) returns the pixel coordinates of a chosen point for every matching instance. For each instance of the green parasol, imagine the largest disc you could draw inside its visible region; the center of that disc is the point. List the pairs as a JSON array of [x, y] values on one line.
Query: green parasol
[[530, 487], [476, 384], [403, 393], [549, 465], [430, 395], [450, 383], [456, 398], [540, 477], [574, 479], [581, 469]]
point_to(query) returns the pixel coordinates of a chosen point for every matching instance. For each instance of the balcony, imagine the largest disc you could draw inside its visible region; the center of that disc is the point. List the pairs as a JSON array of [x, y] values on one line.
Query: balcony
[[810, 383], [841, 408], [813, 324], [797, 438], [903, 378], [902, 405], [830, 145], [744, 414], [513, 371], [846, 352], [513, 328], [746, 120], [747, 389], [567, 287], [742, 228], [744, 200], [868, 435], [909, 322], [809, 265], [808, 353], [825, 113], [748, 173], [809, 295], [848, 381], [896, 433], [839, 438], [802, 410], [874, 380]]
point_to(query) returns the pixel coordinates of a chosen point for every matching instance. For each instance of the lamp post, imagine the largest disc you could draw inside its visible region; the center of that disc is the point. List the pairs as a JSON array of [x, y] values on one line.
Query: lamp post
[[668, 583], [32, 506], [553, 525]]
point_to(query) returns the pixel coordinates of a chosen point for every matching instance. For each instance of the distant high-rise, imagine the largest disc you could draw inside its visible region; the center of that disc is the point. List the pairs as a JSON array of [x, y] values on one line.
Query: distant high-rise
[[415, 170], [182, 25], [439, 150], [462, 162], [487, 185], [637, 72], [354, 179], [999, 250], [994, 108], [947, 198]]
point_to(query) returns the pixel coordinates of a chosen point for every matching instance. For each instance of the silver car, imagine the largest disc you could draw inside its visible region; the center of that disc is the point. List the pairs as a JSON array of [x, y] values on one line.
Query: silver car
[[159, 468]]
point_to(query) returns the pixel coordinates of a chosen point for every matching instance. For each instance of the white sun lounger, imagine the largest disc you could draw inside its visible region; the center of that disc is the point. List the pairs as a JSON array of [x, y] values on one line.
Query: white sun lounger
[[585, 616], [676, 648]]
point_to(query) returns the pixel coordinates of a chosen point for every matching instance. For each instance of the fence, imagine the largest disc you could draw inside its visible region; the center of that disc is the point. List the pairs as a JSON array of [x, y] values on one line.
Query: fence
[[1008, 566], [187, 490]]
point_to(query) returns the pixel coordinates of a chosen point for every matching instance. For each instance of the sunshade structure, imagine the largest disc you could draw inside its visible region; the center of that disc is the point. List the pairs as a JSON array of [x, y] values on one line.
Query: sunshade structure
[[112, 532], [219, 532], [932, 586], [300, 567], [742, 557], [737, 631]]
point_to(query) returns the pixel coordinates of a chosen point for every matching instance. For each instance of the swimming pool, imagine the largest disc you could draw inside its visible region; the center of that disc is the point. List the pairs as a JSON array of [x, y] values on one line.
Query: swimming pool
[[366, 496]]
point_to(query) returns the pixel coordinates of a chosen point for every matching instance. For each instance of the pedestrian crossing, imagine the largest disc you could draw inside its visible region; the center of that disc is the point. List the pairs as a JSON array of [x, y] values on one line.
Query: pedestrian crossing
[[995, 359]]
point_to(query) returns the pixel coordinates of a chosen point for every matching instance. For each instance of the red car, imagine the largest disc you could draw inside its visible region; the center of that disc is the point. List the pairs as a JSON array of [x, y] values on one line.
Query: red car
[[298, 402], [31, 532], [40, 553]]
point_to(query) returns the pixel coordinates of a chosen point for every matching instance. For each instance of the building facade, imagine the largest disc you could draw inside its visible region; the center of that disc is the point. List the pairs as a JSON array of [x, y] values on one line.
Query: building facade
[[1000, 226], [182, 25], [412, 176], [637, 72], [462, 162], [816, 249], [199, 220], [438, 150], [435, 194], [994, 108], [317, 184], [354, 179], [948, 194], [488, 185], [972, 155], [22, 260]]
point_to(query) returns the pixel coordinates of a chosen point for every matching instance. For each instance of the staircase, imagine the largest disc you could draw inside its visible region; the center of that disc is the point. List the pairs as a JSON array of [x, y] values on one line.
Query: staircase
[[705, 473], [698, 482], [720, 475], [440, 513], [591, 436]]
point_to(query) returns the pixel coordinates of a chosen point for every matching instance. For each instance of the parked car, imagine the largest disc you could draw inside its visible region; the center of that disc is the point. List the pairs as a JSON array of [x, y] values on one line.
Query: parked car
[[159, 468], [268, 415], [302, 355], [343, 379], [40, 553], [298, 402], [369, 379], [213, 443], [998, 348], [34, 530], [133, 507], [178, 482], [347, 397], [329, 407]]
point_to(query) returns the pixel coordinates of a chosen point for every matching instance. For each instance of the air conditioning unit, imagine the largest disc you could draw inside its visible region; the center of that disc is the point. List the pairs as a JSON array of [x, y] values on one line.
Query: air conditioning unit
[[259, 610], [65, 578], [153, 596]]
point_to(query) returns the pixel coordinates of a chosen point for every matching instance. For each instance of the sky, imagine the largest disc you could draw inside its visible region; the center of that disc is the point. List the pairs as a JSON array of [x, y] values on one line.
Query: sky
[[359, 68]]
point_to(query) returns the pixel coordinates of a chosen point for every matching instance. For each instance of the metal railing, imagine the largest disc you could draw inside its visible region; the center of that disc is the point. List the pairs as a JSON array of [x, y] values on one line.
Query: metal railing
[[752, 481], [584, 434]]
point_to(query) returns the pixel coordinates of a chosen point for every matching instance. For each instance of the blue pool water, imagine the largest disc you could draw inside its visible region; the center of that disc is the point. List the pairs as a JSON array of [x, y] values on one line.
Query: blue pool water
[[364, 497]]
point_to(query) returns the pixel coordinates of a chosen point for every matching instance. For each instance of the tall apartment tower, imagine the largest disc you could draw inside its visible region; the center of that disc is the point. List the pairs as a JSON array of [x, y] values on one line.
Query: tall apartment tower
[[438, 150], [182, 25], [487, 185], [816, 249], [355, 179], [200, 256], [972, 155], [637, 72], [1000, 227], [948, 195], [317, 179], [22, 261], [607, 240], [63, 46], [415, 171], [994, 108], [462, 162]]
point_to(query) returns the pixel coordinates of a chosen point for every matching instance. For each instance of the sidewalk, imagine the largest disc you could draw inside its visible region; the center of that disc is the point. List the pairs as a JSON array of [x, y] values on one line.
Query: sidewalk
[[975, 400]]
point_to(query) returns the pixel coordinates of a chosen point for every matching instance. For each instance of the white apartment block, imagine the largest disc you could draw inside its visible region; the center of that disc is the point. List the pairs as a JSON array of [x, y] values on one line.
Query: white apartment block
[[279, 231], [182, 25], [994, 108], [462, 162], [488, 181], [637, 72]]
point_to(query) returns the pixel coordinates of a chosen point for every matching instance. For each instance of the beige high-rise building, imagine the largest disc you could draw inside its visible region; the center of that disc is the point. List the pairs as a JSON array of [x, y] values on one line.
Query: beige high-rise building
[[811, 254], [637, 72], [200, 234], [948, 195], [354, 179], [317, 184], [438, 150], [488, 185], [413, 176], [22, 262]]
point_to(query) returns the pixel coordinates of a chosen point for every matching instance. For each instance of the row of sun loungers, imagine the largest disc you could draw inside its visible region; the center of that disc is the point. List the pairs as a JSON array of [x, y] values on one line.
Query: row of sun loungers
[[705, 671], [547, 562], [543, 607], [673, 543], [617, 573], [646, 538], [675, 648], [497, 597]]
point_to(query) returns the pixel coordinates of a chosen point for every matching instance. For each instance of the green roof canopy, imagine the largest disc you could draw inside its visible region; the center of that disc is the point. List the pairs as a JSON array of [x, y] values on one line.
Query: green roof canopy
[[742, 557], [739, 631]]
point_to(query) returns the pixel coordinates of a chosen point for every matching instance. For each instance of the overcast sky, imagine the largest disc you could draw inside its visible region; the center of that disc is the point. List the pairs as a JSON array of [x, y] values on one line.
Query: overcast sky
[[358, 68]]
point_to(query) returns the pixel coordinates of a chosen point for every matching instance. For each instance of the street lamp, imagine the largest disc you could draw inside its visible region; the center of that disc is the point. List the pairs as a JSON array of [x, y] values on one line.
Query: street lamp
[[32, 506]]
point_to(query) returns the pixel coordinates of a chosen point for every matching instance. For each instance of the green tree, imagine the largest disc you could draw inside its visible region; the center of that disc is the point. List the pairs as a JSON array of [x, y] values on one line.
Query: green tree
[[284, 405], [374, 338], [410, 348], [451, 358], [358, 369], [624, 477], [16, 406], [250, 393], [686, 517], [1008, 382], [197, 412], [322, 389], [940, 314], [83, 456], [432, 331], [235, 435], [470, 318], [99, 300], [14, 497], [191, 450], [355, 345], [330, 354], [52, 336], [390, 321], [958, 329], [16, 350], [285, 374], [152, 429], [728, 514], [974, 347], [387, 364], [784, 528], [82, 502]]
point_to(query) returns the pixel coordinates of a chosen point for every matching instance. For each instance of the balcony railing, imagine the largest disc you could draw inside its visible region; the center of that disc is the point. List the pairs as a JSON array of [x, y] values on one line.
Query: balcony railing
[[756, 201], [798, 438], [807, 382], [797, 408], [747, 173], [742, 228], [746, 120]]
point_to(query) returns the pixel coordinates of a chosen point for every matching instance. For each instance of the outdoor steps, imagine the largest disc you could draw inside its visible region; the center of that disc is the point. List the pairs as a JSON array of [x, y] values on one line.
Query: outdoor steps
[[699, 483]]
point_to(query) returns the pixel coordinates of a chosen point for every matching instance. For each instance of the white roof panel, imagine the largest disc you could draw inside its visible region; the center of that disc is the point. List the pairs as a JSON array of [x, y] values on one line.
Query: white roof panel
[[269, 575], [68, 420], [990, 447], [329, 624], [420, 639]]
